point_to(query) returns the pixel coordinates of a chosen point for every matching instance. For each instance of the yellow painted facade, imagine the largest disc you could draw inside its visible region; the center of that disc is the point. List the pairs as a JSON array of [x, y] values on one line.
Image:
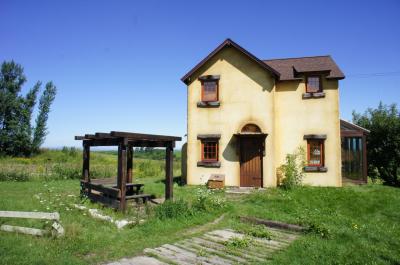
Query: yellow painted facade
[[249, 94]]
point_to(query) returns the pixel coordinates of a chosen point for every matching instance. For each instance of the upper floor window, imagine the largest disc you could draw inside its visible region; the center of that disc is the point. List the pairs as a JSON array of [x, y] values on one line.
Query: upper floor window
[[313, 84], [209, 91]]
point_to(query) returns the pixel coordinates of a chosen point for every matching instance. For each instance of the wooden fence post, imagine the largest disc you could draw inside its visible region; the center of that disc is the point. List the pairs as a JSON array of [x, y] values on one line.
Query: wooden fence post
[[169, 172], [86, 162], [122, 167], [129, 164], [85, 168]]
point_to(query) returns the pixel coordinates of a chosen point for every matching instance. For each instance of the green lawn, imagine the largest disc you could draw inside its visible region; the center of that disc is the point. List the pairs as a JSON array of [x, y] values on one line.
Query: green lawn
[[350, 225]]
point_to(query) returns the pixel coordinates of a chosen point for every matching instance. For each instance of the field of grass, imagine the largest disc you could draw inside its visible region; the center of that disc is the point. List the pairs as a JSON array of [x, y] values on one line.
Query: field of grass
[[350, 225], [67, 164]]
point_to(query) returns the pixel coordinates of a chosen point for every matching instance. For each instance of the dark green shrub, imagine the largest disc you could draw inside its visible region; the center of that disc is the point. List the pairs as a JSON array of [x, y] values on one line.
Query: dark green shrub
[[319, 230], [173, 209], [60, 171], [14, 176]]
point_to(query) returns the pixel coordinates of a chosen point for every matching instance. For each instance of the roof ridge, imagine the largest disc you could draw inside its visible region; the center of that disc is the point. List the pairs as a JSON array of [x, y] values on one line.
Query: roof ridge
[[290, 58]]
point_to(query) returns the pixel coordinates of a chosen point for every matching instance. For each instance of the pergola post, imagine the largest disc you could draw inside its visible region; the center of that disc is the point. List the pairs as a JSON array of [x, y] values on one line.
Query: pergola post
[[169, 172], [85, 168], [121, 178], [129, 164], [86, 162]]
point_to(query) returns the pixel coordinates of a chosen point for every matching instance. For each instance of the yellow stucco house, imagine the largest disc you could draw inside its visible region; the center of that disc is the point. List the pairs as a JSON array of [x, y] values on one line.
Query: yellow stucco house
[[245, 114]]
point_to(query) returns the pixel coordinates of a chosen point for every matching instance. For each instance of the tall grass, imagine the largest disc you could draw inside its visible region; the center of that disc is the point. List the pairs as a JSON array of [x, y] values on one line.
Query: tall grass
[[67, 164]]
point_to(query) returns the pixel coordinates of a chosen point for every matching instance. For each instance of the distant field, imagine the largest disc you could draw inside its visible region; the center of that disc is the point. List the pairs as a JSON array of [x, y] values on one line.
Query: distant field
[[67, 164]]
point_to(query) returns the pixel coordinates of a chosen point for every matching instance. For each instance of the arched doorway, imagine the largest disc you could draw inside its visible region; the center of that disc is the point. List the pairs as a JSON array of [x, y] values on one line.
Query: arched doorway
[[251, 146]]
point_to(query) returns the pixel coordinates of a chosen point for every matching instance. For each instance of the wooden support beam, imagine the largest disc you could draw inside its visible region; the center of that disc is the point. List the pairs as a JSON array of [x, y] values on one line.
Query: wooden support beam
[[24, 230], [30, 215], [86, 163], [103, 142], [141, 136], [129, 169], [121, 178], [169, 172], [364, 158]]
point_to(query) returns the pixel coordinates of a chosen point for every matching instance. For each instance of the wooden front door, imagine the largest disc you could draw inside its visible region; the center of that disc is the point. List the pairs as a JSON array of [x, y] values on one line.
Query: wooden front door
[[250, 162]]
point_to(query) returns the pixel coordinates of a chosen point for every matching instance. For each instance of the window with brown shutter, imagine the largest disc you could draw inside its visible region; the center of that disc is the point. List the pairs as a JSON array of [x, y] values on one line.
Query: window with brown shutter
[[315, 153], [313, 84], [209, 151], [209, 91]]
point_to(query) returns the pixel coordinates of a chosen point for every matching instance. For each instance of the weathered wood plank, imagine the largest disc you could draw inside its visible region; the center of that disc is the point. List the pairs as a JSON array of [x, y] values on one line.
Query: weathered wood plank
[[129, 165], [31, 215], [141, 136], [121, 180], [86, 163], [114, 203], [274, 224], [113, 192], [24, 230]]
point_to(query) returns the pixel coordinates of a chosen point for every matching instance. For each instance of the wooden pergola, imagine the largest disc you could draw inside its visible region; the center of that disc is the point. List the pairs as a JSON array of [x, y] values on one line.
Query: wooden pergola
[[115, 193]]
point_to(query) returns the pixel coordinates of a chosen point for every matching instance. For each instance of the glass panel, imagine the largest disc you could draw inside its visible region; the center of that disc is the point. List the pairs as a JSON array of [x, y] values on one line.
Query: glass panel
[[315, 153], [210, 91], [312, 84], [210, 151], [352, 163]]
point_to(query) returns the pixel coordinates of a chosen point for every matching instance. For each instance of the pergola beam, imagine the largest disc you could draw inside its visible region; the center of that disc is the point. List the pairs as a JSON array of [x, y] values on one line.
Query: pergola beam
[[125, 142]]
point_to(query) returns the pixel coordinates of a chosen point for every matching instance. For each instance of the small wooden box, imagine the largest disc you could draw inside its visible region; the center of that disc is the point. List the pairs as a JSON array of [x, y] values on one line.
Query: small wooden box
[[216, 181]]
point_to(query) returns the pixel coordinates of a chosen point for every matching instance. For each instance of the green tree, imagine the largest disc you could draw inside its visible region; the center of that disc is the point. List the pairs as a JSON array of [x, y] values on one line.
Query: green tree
[[17, 136], [383, 142]]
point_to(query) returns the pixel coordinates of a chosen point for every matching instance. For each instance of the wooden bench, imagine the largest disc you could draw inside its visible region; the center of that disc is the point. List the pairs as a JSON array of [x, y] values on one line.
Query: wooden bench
[[143, 197]]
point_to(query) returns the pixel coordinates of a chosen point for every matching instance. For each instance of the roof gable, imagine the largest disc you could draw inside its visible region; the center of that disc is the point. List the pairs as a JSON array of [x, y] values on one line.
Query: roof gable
[[229, 43]]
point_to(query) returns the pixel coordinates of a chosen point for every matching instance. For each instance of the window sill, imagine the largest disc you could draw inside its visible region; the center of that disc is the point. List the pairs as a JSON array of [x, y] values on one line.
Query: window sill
[[313, 95], [214, 164], [210, 104], [315, 169]]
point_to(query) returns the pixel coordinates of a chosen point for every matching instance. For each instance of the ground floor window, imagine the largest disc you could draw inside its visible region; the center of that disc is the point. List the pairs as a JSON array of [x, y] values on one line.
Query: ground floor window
[[315, 153], [209, 151]]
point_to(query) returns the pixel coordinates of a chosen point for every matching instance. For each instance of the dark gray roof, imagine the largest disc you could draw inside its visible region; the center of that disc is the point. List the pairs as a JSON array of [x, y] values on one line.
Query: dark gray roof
[[288, 67]]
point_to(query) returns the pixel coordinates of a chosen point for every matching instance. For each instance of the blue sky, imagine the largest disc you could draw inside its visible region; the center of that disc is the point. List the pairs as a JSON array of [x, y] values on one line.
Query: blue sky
[[117, 64]]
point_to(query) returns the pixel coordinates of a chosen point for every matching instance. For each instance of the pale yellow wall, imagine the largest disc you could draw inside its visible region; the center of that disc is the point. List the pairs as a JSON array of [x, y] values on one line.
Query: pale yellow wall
[[248, 94], [296, 117]]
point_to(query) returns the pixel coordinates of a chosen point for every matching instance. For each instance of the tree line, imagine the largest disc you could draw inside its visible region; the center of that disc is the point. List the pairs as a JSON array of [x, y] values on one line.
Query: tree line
[[18, 137]]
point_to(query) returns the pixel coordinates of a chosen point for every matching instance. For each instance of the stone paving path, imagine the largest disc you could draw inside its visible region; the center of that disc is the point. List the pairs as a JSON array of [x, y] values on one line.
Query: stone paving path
[[211, 248]]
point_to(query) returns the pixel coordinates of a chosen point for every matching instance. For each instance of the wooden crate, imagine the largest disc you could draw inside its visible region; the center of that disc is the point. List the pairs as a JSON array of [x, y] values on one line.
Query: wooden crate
[[216, 181]]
